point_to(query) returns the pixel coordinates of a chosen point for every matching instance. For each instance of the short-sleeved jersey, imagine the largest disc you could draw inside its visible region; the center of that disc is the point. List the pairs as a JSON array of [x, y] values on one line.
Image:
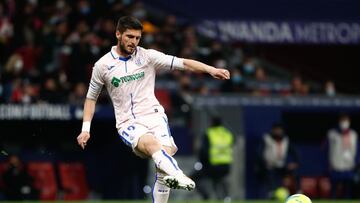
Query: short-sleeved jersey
[[130, 81]]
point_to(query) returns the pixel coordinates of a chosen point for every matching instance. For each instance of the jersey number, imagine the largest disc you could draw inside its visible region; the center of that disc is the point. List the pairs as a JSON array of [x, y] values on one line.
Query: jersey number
[[130, 128]]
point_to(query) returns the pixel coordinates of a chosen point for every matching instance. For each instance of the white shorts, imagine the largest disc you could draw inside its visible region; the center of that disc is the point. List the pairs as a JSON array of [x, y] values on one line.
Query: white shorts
[[155, 124]]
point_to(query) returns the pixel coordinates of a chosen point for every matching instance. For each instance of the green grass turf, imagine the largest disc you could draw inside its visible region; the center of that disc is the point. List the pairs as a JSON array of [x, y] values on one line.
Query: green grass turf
[[185, 201]]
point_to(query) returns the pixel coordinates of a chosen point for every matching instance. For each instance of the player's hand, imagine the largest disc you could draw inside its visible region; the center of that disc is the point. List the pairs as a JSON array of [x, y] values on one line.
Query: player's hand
[[220, 73], [83, 138]]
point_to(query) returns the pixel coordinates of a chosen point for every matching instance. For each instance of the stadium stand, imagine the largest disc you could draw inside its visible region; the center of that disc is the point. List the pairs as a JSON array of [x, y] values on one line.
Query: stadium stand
[[41, 50], [73, 181], [45, 179], [47, 50]]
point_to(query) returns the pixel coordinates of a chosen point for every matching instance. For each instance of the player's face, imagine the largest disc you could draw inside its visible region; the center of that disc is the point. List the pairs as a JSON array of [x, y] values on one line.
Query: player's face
[[128, 40], [278, 131]]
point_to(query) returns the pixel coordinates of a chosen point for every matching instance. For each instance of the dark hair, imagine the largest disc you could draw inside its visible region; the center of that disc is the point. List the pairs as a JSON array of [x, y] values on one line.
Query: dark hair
[[344, 115], [128, 22], [277, 125]]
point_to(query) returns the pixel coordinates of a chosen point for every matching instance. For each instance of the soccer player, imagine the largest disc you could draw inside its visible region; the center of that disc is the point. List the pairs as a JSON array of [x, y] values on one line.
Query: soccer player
[[128, 73]]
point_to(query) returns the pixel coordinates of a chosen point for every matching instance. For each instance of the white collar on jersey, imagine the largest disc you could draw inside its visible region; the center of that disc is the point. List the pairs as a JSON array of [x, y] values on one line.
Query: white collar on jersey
[[115, 55]]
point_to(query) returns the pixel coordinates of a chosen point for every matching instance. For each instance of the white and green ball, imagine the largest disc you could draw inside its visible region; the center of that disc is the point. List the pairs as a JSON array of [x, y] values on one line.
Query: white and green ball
[[298, 198], [281, 194]]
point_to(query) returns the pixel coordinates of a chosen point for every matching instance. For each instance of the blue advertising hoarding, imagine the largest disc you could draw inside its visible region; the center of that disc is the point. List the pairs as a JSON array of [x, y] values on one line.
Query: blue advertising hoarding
[[281, 31]]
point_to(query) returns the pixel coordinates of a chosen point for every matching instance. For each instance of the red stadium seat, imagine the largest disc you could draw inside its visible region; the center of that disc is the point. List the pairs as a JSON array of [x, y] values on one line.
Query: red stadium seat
[[73, 181], [308, 186], [290, 183], [3, 167], [164, 98], [324, 187], [44, 179]]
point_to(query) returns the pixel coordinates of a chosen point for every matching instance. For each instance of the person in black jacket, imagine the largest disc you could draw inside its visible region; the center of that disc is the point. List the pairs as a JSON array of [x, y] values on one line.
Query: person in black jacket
[[277, 160], [18, 184]]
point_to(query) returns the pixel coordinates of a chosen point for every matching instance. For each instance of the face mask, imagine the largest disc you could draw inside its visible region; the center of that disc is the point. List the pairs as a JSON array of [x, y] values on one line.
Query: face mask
[[18, 65], [344, 125], [249, 68], [236, 79], [330, 91]]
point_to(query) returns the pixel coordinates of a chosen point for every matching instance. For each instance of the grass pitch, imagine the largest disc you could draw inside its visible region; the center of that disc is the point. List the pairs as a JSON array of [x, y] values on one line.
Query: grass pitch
[[185, 201]]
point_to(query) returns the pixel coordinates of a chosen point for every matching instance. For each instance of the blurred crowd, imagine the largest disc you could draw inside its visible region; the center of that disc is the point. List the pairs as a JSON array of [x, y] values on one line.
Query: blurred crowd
[[48, 48], [278, 161]]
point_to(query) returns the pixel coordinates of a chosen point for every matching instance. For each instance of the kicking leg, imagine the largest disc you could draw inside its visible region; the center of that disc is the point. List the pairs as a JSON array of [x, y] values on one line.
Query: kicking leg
[[179, 181], [175, 178], [150, 146]]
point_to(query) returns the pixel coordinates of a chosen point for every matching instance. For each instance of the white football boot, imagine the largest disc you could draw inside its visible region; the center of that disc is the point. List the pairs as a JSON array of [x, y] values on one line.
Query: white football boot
[[180, 181]]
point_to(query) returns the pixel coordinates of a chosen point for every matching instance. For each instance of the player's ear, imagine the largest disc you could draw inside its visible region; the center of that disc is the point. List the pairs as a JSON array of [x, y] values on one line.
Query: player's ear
[[118, 35]]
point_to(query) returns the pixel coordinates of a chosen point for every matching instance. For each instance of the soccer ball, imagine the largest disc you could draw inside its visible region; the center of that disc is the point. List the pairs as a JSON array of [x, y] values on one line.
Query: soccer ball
[[281, 194], [298, 198]]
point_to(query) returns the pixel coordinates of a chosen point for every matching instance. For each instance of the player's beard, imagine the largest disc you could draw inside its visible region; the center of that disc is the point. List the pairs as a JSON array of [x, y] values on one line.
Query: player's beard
[[124, 50]]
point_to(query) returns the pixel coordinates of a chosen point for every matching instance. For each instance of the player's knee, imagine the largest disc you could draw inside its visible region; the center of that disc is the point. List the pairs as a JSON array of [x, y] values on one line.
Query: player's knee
[[170, 150], [149, 144]]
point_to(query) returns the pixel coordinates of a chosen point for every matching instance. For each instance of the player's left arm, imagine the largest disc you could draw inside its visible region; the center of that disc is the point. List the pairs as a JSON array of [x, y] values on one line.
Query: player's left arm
[[197, 66]]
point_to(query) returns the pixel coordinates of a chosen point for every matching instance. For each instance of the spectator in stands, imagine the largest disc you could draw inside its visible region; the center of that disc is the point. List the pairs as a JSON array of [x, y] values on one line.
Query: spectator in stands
[[277, 160], [296, 85], [50, 93], [217, 53], [29, 95], [216, 158], [204, 90], [236, 84], [343, 157], [2, 100], [183, 98], [54, 38], [106, 33], [261, 84], [78, 95], [249, 67], [13, 67], [16, 91], [79, 70], [260, 74], [6, 26], [29, 54], [171, 38], [18, 184], [236, 57], [305, 89], [330, 89]]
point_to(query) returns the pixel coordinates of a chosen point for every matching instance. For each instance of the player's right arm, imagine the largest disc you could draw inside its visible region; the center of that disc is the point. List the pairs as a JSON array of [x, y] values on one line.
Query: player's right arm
[[94, 90], [89, 109], [161, 60]]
